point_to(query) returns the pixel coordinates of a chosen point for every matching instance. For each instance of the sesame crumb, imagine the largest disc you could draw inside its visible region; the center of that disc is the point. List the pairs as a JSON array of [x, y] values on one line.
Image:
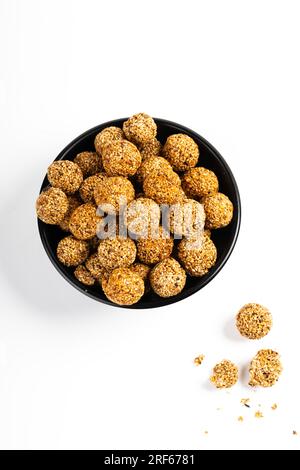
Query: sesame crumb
[[240, 419], [199, 359], [258, 414], [274, 406]]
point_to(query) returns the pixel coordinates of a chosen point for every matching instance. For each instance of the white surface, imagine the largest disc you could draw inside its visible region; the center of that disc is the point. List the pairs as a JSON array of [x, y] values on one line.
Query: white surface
[[78, 374]]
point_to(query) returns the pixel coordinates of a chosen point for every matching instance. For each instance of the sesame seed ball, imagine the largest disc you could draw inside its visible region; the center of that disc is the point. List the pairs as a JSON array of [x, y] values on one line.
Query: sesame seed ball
[[89, 162], [84, 276], [225, 374], [74, 202], [140, 128], [199, 182], [154, 249], [107, 136], [197, 256], [116, 252], [150, 149], [52, 206], [181, 151], [121, 158], [265, 368], [103, 279], [142, 217], [154, 166], [161, 190], [143, 271], [84, 221], [254, 321], [167, 278], [124, 287], [94, 266], [86, 190], [113, 192], [218, 210], [65, 175], [187, 218], [72, 252]]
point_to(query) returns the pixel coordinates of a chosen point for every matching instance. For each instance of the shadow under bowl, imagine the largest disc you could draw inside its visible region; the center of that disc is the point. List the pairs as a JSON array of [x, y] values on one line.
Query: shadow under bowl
[[224, 238]]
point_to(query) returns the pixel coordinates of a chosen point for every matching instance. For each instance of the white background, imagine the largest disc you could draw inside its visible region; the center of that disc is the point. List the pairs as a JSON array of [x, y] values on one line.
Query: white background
[[78, 374]]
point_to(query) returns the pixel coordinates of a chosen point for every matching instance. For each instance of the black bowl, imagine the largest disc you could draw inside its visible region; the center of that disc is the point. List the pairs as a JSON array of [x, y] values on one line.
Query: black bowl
[[224, 239]]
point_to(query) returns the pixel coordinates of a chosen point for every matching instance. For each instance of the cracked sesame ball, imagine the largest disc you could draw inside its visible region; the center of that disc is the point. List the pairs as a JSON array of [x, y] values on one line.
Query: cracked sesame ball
[[218, 210], [72, 252], [86, 190], [84, 276], [167, 278], [187, 219], [140, 128], [157, 166], [65, 175], [254, 321], [116, 252], [52, 206], [265, 368], [106, 137], [161, 190], [113, 192], [84, 221], [199, 182], [197, 256], [142, 217], [152, 250], [225, 374], [181, 151], [143, 271], [89, 162], [121, 158], [74, 202], [123, 287], [150, 149]]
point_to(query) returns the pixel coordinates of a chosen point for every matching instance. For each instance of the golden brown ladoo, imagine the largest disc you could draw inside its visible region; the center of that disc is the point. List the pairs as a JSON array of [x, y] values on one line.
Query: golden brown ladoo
[[265, 368], [254, 321], [52, 206], [225, 374]]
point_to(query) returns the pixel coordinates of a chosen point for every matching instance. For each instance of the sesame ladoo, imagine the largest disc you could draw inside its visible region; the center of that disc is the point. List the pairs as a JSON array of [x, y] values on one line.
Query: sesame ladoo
[[151, 148], [90, 163], [84, 221], [197, 256], [140, 128], [52, 206], [65, 175], [158, 188], [123, 287], [116, 252], [87, 188], [254, 321], [187, 219], [113, 192], [199, 182], [167, 278], [72, 252], [218, 210], [153, 249], [142, 217], [225, 374], [121, 158], [181, 151], [265, 368], [84, 276], [107, 136]]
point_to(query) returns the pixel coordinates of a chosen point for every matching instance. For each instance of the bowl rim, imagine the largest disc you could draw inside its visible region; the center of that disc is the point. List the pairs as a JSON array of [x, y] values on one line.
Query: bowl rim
[[161, 302]]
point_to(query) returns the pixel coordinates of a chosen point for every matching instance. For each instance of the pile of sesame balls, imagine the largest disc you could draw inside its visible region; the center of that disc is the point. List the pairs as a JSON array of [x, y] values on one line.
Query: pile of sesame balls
[[132, 166]]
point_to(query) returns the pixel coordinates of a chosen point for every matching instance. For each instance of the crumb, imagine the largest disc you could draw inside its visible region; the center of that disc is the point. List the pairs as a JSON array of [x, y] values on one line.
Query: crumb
[[241, 419], [274, 406], [295, 433], [198, 360], [206, 432], [245, 402], [258, 414]]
